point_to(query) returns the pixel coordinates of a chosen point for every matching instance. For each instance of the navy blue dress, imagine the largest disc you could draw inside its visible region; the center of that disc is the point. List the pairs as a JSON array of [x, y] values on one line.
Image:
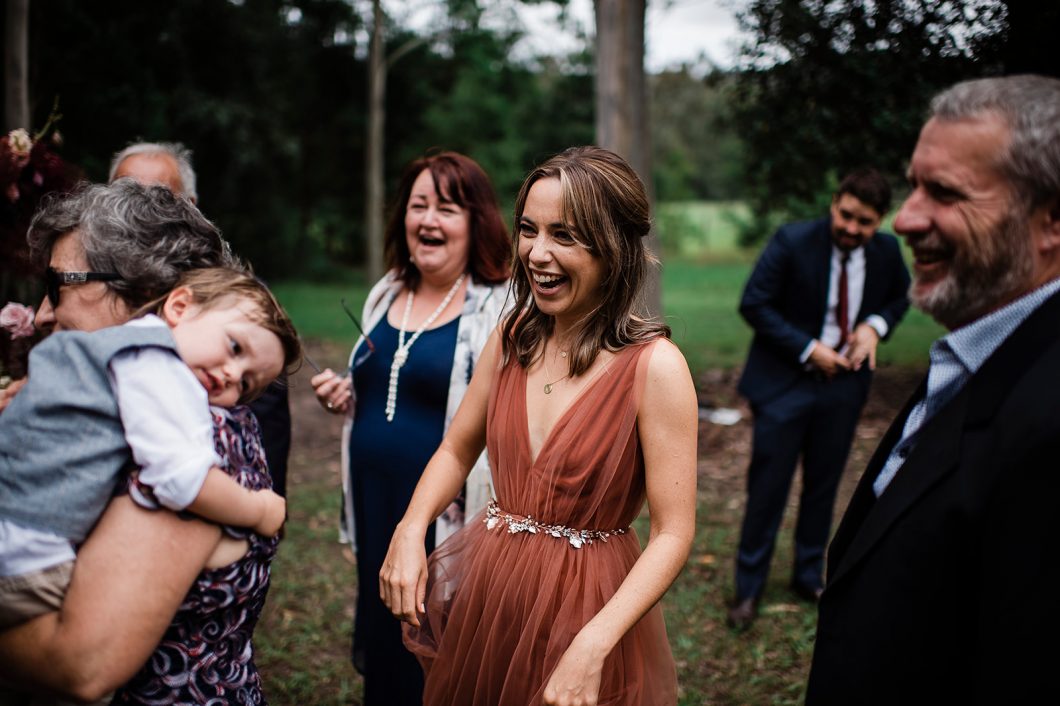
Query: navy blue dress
[[386, 460]]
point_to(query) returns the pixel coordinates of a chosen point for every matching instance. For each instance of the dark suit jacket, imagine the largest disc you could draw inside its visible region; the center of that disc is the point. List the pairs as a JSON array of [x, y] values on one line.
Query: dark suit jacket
[[786, 301], [273, 412], [943, 591]]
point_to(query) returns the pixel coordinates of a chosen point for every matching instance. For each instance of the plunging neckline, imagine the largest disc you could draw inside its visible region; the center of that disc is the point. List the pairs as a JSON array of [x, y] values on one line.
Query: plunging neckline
[[566, 410]]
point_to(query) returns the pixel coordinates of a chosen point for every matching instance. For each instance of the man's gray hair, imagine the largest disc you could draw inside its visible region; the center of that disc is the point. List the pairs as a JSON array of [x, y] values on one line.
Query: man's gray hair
[[180, 154], [1030, 106], [146, 234]]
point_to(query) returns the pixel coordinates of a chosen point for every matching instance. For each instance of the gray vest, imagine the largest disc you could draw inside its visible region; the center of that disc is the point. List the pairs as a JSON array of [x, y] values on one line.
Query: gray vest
[[62, 444]]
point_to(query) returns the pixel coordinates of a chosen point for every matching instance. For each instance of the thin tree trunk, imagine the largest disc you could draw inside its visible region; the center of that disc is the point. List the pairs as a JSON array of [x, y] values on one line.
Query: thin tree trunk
[[16, 65], [374, 177], [622, 102]]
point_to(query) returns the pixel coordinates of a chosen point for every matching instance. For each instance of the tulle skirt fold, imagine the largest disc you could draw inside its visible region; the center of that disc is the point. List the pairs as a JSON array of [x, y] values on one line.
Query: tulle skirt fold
[[502, 609]]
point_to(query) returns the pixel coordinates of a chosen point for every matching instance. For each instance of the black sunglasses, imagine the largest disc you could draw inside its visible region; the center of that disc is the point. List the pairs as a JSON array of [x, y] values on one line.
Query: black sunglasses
[[55, 280]]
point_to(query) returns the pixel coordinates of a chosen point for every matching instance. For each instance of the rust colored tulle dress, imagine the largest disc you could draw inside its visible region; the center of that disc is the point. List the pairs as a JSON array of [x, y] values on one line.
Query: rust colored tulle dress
[[503, 607]]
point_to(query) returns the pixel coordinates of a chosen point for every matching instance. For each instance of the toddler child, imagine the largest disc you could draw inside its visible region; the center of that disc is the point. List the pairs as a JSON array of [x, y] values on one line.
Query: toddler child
[[100, 403]]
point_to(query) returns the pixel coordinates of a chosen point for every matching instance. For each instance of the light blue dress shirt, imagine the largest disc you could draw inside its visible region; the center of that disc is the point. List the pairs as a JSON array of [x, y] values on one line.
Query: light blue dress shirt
[[955, 358]]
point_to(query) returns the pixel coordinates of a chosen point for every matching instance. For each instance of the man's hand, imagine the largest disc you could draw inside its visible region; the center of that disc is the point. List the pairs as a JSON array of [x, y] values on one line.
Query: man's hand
[[861, 346], [827, 360], [8, 393]]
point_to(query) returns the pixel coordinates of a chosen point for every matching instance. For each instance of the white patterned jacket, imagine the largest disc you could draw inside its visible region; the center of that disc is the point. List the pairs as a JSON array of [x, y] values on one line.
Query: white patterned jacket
[[484, 305]]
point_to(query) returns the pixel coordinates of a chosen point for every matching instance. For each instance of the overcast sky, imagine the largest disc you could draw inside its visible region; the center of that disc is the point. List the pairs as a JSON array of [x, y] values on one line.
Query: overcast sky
[[677, 30]]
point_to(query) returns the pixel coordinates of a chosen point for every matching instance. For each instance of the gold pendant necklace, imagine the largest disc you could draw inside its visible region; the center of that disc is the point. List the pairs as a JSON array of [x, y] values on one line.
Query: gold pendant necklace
[[544, 364]]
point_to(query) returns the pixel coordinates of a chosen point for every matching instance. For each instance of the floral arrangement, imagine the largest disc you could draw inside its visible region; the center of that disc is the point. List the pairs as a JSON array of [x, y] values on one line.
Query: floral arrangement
[[17, 336], [29, 169]]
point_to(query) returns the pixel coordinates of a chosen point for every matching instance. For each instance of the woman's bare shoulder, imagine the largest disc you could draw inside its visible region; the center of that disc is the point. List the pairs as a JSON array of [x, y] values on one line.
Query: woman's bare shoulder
[[665, 358], [668, 381]]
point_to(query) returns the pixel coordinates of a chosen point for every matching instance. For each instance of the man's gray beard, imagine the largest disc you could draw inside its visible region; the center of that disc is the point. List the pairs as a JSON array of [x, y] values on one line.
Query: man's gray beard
[[974, 287]]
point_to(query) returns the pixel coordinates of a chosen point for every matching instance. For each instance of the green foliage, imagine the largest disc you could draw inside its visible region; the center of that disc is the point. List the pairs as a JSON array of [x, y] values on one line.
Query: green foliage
[[829, 86], [271, 97], [507, 116], [700, 229], [264, 95], [697, 153]]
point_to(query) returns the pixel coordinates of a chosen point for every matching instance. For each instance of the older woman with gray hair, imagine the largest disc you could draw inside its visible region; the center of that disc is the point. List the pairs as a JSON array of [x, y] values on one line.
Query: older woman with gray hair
[[135, 242], [111, 249], [145, 580]]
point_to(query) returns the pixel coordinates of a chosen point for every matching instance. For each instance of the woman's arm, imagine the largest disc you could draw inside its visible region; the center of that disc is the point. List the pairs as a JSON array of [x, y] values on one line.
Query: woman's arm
[[403, 578], [667, 427], [130, 577]]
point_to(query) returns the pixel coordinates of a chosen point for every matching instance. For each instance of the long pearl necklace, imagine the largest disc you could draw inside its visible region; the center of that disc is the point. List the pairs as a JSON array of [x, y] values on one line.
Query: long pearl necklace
[[401, 355]]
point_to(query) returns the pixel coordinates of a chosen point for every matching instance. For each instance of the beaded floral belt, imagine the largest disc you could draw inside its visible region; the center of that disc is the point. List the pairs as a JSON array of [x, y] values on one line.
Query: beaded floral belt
[[495, 517]]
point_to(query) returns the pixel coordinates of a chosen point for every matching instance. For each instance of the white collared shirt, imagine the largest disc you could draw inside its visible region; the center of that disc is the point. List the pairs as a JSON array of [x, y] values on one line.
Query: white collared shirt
[[829, 335], [955, 358]]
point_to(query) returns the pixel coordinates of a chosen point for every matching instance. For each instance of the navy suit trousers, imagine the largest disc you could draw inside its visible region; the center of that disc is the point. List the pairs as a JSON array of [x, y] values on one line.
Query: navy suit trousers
[[814, 419]]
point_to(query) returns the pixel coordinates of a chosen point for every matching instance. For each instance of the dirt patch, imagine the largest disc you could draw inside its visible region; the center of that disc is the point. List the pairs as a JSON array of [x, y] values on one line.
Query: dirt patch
[[724, 451], [316, 433]]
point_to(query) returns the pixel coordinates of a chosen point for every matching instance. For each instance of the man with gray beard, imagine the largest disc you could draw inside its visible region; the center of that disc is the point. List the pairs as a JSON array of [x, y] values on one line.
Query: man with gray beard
[[942, 573]]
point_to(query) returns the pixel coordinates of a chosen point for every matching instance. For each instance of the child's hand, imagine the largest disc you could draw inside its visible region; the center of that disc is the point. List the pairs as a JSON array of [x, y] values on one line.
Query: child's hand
[[273, 514]]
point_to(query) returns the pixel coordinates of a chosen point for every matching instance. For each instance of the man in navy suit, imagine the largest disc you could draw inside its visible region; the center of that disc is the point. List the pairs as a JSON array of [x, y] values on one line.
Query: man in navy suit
[[820, 298], [943, 574]]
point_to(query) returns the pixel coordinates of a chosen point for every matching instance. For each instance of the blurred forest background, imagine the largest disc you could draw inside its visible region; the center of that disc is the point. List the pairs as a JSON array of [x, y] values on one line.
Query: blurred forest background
[[271, 96]]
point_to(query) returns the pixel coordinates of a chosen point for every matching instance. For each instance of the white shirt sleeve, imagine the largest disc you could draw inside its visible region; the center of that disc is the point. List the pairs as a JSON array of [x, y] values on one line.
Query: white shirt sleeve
[[805, 355], [167, 421], [879, 323]]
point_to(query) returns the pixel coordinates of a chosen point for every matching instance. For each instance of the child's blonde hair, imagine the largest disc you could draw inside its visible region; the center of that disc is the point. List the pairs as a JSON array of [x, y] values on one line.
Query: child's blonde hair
[[211, 286]]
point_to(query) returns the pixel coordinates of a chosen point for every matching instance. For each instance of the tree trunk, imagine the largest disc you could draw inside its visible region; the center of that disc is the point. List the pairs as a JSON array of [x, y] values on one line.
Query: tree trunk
[[373, 205], [622, 102], [16, 65]]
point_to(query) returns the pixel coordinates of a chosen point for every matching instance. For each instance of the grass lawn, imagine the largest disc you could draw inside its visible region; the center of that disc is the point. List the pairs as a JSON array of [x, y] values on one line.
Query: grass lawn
[[699, 300]]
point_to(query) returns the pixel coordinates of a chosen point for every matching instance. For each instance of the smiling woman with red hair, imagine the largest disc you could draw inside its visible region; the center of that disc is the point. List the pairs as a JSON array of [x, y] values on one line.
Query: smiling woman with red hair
[[427, 321]]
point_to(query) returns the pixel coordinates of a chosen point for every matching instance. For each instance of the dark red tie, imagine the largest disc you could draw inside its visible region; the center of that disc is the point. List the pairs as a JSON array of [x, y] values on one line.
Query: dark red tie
[[841, 314]]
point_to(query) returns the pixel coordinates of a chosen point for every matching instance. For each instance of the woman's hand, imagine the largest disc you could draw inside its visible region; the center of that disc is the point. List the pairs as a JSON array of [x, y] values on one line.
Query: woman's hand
[[333, 392], [403, 578], [576, 679]]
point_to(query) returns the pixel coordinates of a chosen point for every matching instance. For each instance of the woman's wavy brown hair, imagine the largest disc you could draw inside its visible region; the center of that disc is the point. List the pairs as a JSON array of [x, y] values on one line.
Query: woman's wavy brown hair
[[607, 208]]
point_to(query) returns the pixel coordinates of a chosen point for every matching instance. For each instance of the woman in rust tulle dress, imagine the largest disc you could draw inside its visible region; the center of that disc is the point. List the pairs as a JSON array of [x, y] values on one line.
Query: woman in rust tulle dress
[[586, 410]]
